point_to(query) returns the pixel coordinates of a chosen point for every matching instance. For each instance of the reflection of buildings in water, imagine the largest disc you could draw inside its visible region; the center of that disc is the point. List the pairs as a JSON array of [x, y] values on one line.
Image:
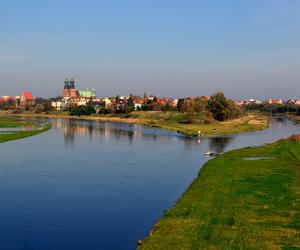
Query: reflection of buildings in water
[[95, 129], [57, 123], [69, 132], [105, 130], [218, 144]]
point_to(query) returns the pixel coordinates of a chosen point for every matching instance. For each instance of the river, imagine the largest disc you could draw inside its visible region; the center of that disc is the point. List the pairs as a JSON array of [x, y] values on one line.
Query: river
[[87, 185]]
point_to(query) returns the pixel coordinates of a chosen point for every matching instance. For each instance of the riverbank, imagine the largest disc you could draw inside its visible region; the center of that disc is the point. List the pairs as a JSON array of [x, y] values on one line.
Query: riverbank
[[175, 122], [27, 129], [238, 201], [293, 117]]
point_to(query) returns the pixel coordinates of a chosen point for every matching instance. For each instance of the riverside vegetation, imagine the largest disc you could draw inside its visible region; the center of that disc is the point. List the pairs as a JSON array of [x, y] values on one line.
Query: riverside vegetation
[[193, 116], [17, 129], [174, 121], [245, 199]]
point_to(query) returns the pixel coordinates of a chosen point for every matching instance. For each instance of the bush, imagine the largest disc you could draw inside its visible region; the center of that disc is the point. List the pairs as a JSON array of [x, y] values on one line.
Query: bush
[[82, 110]]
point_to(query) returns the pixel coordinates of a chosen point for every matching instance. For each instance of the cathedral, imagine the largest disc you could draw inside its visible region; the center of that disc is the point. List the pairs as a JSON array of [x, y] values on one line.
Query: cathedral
[[69, 89]]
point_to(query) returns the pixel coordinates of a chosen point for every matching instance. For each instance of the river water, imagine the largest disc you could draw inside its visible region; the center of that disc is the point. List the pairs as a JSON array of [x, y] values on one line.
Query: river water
[[90, 185]]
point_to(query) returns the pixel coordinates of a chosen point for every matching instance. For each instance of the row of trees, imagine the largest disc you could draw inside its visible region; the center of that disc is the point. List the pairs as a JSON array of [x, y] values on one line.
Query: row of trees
[[273, 109], [218, 105]]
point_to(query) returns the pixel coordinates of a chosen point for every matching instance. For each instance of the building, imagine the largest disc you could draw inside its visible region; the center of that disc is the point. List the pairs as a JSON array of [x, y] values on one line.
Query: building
[[274, 101], [69, 89], [6, 98], [107, 102], [294, 102], [88, 93], [138, 102], [26, 98], [57, 105]]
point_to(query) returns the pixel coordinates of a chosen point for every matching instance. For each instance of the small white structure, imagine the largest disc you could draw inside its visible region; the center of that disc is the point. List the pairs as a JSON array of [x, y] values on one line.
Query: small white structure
[[56, 105]]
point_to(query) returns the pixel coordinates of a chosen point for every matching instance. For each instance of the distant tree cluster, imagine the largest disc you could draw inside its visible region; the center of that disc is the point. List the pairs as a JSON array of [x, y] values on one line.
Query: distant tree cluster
[[82, 110], [218, 105], [42, 105], [274, 108], [223, 108]]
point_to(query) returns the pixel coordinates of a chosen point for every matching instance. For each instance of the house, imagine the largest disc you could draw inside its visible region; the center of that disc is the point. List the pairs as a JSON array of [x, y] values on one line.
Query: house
[[26, 98], [108, 102], [205, 97], [239, 102], [274, 101], [56, 105], [174, 102], [138, 102], [294, 102], [6, 98]]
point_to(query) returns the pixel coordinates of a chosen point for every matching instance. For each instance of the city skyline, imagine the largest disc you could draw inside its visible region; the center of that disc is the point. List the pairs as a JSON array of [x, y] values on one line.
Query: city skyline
[[167, 49]]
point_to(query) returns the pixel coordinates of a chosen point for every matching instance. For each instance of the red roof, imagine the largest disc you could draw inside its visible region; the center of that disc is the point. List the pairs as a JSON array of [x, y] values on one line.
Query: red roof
[[6, 99], [26, 96]]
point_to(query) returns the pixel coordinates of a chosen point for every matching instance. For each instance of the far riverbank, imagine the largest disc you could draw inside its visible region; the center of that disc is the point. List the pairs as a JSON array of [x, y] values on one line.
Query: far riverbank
[[171, 121], [12, 129]]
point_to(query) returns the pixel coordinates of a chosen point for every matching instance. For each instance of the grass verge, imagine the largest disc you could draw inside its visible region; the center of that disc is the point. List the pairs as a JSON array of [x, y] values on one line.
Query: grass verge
[[238, 203], [34, 128]]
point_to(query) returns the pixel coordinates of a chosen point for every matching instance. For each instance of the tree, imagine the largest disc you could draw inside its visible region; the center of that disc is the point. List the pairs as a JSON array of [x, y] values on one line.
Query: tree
[[82, 110], [189, 107], [117, 102], [223, 108], [180, 105], [200, 105], [130, 104], [39, 108]]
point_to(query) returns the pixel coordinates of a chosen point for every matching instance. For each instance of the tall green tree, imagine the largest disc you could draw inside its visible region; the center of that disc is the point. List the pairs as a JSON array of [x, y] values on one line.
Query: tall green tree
[[180, 105], [130, 104], [223, 108]]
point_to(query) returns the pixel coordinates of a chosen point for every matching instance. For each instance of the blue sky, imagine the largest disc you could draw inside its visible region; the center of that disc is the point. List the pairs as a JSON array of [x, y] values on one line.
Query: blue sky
[[163, 47]]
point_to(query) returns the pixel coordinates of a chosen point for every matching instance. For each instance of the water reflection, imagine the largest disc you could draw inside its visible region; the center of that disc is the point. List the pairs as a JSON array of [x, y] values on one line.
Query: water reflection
[[96, 185], [94, 129], [219, 144]]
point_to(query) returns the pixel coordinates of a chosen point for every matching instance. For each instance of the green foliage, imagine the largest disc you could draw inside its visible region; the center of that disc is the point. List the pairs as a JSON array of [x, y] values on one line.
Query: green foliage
[[199, 105], [130, 104], [82, 110], [45, 104], [274, 108], [223, 108], [180, 105]]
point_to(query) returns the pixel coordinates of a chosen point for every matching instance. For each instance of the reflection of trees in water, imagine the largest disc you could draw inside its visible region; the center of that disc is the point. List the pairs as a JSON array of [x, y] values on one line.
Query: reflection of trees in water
[[280, 119], [69, 132], [92, 129], [218, 144]]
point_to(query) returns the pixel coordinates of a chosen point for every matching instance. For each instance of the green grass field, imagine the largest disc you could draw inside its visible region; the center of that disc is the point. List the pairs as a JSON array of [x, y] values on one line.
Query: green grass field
[[236, 203], [15, 135]]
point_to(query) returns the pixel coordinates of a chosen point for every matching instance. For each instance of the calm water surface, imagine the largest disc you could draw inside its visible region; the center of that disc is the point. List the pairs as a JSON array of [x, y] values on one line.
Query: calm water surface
[[88, 185]]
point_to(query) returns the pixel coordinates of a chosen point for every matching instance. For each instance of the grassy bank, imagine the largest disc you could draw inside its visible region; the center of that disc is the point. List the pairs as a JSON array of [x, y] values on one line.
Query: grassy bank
[[293, 117], [177, 122], [34, 128], [238, 203], [208, 127]]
